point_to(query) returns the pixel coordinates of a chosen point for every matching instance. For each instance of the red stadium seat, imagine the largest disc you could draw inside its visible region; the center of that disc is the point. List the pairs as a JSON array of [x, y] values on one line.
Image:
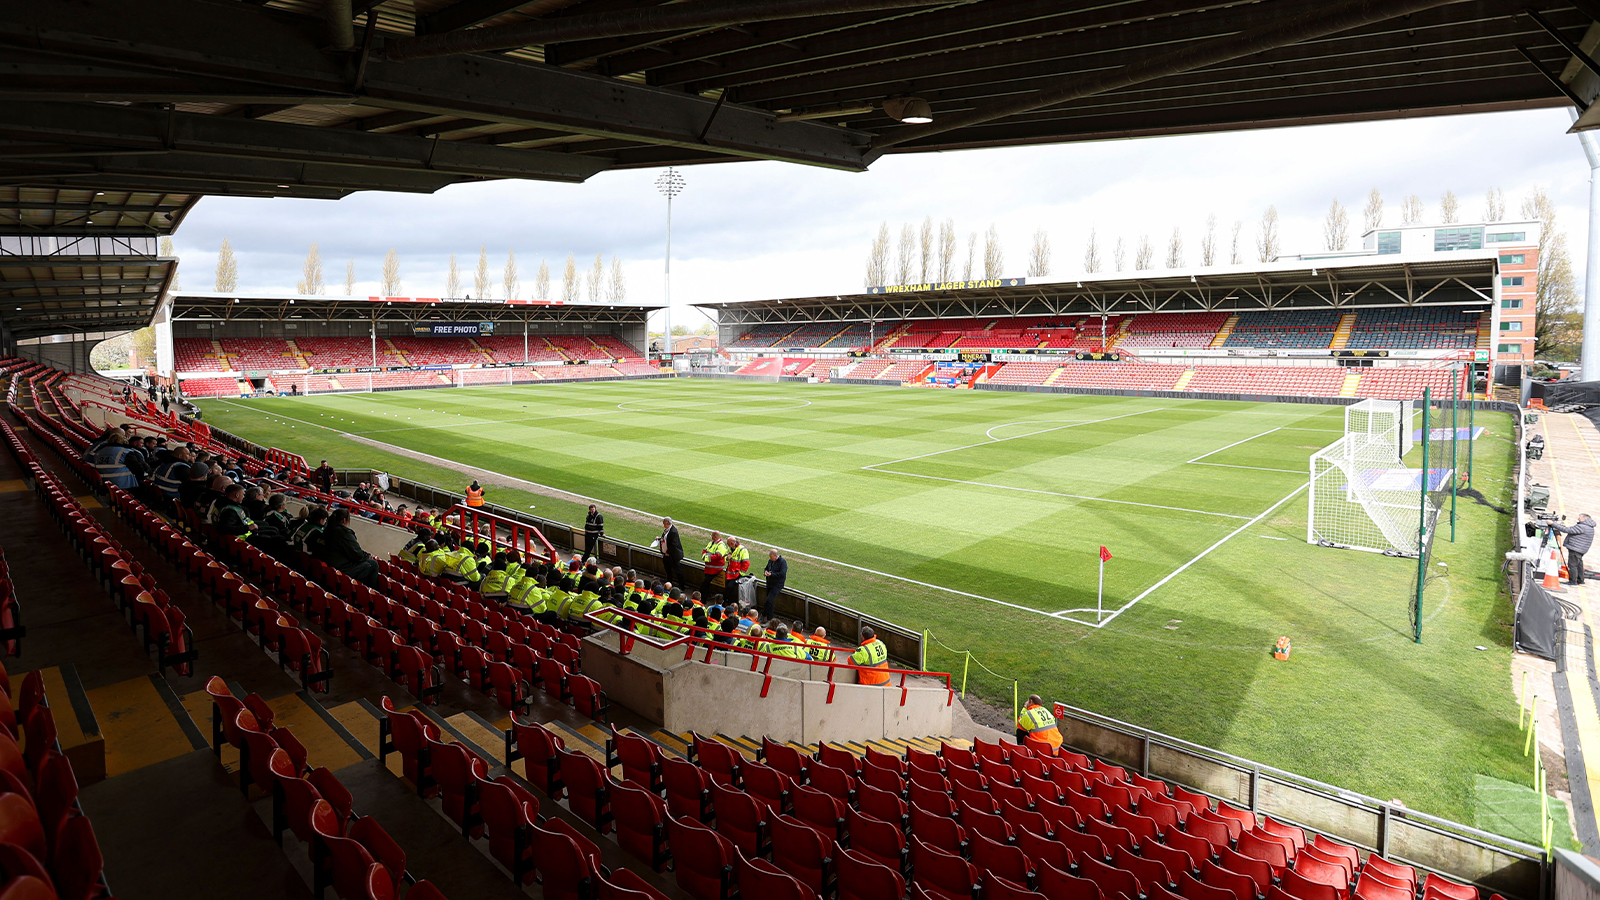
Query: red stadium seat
[[863, 879]]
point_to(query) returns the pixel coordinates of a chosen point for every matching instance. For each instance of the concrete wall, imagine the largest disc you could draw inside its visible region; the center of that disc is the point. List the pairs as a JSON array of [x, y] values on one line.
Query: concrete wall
[[382, 541], [724, 696]]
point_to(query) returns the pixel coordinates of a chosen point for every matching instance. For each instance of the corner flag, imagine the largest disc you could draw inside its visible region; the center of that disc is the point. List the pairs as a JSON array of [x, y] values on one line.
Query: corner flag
[[1100, 591], [1105, 555]]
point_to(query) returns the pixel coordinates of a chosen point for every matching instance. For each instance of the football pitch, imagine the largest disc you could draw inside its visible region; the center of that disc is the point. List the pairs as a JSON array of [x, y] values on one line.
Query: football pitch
[[979, 516]]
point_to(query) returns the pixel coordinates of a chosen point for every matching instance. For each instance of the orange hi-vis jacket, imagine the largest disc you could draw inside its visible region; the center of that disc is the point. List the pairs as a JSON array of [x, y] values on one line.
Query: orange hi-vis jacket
[[474, 497], [1039, 724], [873, 659]]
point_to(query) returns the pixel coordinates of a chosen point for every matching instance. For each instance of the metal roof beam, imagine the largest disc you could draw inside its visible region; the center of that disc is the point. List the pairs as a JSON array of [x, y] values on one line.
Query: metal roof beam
[[266, 47], [82, 283], [676, 17], [134, 129], [1332, 20]]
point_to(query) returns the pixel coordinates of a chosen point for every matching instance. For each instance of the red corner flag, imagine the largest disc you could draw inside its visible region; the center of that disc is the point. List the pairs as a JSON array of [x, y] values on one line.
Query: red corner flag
[[1105, 555]]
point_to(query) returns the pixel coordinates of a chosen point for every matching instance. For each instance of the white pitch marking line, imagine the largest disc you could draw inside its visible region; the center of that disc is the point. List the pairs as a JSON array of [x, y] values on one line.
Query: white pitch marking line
[[1178, 571], [1235, 444], [1006, 487], [1252, 468], [1012, 438], [1271, 537]]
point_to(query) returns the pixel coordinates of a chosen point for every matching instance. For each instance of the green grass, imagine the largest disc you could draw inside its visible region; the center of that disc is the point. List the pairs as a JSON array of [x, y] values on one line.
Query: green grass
[[1003, 502], [1514, 811]]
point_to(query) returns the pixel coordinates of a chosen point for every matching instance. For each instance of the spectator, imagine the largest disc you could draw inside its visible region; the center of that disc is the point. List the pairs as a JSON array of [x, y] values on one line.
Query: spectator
[[170, 475], [821, 650], [738, 563], [714, 562], [594, 527], [474, 494], [432, 560], [276, 526], [871, 658], [254, 504], [232, 519], [193, 486], [494, 585], [323, 476], [341, 549], [1579, 538], [361, 494], [782, 645], [309, 531], [775, 574], [1037, 725], [114, 462], [671, 547], [414, 547]]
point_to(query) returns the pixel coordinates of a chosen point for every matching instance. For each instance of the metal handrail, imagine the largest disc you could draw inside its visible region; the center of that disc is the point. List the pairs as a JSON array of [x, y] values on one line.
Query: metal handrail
[[480, 516]]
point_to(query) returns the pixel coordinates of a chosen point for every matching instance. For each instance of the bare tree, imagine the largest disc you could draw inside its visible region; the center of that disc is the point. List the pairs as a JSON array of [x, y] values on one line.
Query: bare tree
[[1555, 292], [509, 279], [994, 258], [1336, 227], [480, 277], [541, 284], [878, 258], [1039, 256], [1091, 253], [1449, 208], [1235, 252], [391, 274], [904, 263], [1118, 256], [166, 250], [1208, 244], [972, 253], [947, 250], [1267, 236], [1411, 210], [1175, 249], [925, 243], [569, 280], [616, 290], [1145, 256], [227, 269], [452, 278], [1372, 213], [349, 277], [311, 274], [1494, 205], [597, 278]]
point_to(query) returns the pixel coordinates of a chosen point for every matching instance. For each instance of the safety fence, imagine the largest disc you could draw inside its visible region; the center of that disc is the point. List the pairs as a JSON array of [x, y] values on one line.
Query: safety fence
[[996, 684]]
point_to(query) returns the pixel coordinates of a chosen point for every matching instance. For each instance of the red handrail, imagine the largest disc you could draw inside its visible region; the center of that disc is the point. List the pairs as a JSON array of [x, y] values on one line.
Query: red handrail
[[384, 515], [627, 637], [520, 534]]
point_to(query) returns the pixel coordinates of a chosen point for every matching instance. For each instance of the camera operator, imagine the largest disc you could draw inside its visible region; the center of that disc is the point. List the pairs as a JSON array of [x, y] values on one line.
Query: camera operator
[[1579, 537]]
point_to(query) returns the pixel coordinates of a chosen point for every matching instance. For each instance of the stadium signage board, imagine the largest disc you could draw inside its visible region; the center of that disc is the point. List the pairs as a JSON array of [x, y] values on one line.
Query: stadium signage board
[[974, 356], [440, 329], [947, 286], [1097, 356], [1358, 353]]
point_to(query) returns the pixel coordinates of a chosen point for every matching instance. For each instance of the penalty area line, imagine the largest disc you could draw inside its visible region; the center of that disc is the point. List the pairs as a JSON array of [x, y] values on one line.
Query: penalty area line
[[1235, 444], [1064, 614]]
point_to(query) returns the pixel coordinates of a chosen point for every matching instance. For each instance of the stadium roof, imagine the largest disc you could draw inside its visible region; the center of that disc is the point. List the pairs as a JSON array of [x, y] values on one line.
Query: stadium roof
[[1462, 277], [60, 285], [319, 98], [224, 307]]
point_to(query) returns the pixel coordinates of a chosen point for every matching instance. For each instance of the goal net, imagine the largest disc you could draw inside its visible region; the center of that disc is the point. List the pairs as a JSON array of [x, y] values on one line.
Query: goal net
[[1362, 496]]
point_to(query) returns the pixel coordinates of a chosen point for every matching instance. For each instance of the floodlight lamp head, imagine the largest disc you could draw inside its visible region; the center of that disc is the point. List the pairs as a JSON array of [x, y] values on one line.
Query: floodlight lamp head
[[910, 110], [670, 183]]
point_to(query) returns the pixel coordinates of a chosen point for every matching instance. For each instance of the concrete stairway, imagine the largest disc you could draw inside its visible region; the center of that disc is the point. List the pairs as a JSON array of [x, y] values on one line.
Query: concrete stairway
[[1227, 329]]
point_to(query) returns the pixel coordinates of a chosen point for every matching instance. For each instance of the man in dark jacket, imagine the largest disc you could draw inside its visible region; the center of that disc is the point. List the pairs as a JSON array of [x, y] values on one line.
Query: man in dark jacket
[[232, 519], [323, 476], [594, 527], [776, 572], [340, 548], [1579, 537], [671, 547]]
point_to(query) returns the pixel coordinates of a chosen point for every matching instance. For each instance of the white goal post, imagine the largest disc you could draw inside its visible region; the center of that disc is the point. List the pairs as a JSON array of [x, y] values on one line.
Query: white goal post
[[1361, 497]]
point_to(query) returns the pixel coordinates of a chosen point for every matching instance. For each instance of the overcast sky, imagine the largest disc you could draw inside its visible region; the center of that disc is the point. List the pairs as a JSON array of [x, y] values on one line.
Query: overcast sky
[[764, 229]]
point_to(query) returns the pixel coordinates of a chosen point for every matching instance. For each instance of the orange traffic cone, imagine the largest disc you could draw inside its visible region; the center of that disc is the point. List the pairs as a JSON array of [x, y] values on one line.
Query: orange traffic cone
[[1551, 581]]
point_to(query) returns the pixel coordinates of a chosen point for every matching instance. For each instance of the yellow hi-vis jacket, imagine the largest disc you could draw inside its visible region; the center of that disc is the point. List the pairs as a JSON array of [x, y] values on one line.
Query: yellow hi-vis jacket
[[873, 658], [433, 564], [1039, 724]]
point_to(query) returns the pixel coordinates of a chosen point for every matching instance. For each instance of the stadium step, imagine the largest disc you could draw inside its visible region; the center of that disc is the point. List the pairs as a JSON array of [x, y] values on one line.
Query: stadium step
[[1341, 335], [1227, 329], [79, 733], [1120, 333], [1183, 380], [1485, 331], [1352, 381]]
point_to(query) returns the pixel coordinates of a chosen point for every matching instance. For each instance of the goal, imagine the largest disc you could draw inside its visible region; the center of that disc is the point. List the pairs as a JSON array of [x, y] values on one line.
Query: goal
[[1361, 496]]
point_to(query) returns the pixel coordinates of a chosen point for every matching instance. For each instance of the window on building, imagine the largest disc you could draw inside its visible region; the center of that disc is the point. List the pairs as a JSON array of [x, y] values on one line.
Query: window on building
[[1388, 242], [1511, 281], [1510, 304], [1503, 236], [1458, 239], [1510, 348], [1513, 259], [1510, 326]]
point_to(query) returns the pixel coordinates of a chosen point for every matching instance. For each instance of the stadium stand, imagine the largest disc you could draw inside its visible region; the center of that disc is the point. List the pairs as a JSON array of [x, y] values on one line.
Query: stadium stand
[[1127, 376], [770, 366], [870, 368], [1173, 330], [1289, 329], [1421, 328], [763, 336], [509, 348], [1024, 373], [1404, 382], [211, 387], [1313, 381]]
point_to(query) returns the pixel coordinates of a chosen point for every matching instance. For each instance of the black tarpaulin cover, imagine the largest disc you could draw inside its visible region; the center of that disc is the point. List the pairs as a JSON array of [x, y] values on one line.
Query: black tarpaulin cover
[[1539, 623]]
